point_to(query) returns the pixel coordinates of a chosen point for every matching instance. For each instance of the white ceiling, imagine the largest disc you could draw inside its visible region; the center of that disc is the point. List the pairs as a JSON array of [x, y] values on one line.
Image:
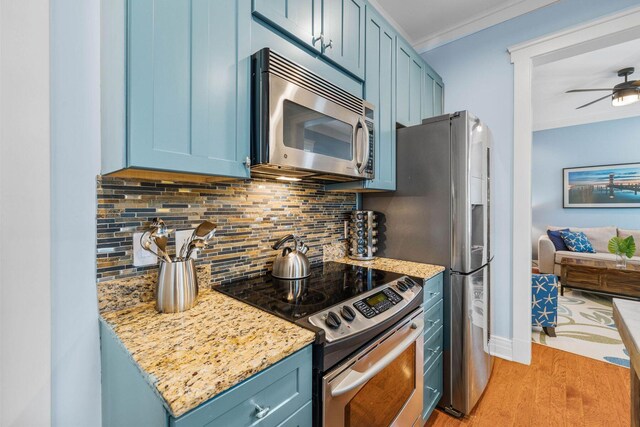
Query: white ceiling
[[430, 23], [553, 108]]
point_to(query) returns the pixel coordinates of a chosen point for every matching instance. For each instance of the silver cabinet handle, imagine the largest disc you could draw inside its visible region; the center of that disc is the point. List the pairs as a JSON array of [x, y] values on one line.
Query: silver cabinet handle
[[320, 38], [434, 350], [433, 322], [329, 45], [432, 390], [434, 294], [262, 412], [355, 379]]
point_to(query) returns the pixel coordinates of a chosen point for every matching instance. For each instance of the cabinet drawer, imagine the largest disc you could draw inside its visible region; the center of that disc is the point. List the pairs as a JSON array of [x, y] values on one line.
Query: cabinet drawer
[[433, 319], [432, 291], [283, 389], [302, 418], [432, 347], [433, 383]]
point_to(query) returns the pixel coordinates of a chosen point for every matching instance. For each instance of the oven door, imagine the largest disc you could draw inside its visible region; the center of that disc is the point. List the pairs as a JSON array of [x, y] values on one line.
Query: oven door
[[382, 385], [310, 132]]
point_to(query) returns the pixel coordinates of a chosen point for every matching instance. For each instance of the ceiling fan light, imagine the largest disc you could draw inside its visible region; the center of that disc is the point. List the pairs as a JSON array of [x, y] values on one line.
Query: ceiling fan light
[[625, 97]]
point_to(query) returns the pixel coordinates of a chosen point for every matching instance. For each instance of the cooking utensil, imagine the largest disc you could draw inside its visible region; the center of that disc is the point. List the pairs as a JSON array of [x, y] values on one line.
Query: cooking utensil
[[161, 243], [205, 232], [145, 242], [195, 247], [291, 263]]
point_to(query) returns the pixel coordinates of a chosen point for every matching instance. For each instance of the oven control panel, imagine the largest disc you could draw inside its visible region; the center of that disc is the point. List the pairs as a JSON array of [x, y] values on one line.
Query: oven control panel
[[366, 310]]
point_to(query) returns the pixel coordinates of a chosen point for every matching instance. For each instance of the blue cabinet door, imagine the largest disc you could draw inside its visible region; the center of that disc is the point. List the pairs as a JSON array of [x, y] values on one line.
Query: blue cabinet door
[[428, 99], [409, 84], [410, 70], [433, 94], [343, 24], [380, 91], [438, 97], [187, 86], [301, 19]]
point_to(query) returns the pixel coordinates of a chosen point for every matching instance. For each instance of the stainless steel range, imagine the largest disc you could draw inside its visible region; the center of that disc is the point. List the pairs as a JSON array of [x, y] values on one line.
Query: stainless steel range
[[368, 326]]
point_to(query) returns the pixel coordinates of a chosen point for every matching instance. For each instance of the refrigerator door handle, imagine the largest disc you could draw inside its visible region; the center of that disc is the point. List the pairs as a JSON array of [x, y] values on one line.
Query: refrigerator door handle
[[486, 292]]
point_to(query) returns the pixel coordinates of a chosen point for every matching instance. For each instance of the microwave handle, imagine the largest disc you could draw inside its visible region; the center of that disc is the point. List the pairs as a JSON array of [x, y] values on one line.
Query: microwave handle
[[364, 145], [355, 379]]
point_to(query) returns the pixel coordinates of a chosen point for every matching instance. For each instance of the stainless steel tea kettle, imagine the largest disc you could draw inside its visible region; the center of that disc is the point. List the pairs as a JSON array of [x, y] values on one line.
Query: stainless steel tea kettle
[[291, 263]]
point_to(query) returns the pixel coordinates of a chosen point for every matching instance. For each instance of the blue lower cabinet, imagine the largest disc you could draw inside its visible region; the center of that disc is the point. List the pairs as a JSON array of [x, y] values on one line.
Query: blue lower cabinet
[[302, 418], [433, 382], [278, 396], [433, 344]]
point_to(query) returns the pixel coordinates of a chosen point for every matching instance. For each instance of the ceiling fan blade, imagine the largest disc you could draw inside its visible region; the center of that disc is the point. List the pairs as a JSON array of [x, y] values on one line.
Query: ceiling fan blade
[[593, 102], [635, 83], [587, 90]]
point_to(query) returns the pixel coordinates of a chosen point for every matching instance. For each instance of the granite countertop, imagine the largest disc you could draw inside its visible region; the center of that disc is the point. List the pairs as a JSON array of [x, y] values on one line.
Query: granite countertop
[[409, 268], [192, 356], [627, 317]]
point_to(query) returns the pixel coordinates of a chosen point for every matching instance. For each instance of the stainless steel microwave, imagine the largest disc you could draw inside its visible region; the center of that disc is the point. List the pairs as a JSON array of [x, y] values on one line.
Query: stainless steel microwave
[[304, 127]]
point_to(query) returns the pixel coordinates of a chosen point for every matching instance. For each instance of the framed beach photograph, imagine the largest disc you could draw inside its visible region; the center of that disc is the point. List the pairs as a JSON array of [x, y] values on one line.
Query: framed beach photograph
[[607, 186]]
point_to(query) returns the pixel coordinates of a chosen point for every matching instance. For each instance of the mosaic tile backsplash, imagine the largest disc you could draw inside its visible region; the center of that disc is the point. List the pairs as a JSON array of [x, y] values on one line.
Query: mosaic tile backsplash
[[251, 216]]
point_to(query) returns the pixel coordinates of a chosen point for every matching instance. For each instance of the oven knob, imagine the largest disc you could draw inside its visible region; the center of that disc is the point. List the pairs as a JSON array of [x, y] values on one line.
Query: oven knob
[[402, 286], [348, 313], [410, 282], [333, 320]]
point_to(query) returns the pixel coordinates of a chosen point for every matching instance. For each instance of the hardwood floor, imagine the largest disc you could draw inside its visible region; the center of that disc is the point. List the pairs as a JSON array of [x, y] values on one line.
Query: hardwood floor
[[558, 389]]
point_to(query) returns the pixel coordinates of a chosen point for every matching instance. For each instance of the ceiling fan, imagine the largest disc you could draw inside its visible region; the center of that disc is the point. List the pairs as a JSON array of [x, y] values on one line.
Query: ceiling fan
[[621, 94]]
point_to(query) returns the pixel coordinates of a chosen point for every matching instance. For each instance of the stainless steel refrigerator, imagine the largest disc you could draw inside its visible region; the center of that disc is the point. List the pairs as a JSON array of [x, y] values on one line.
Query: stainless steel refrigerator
[[441, 214]]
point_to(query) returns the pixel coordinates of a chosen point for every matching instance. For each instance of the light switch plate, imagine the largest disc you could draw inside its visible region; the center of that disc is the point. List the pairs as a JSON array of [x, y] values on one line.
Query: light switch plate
[[141, 256], [181, 237]]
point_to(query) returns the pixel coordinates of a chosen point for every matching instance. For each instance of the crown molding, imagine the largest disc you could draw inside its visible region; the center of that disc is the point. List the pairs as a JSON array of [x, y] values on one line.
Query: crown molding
[[488, 19], [382, 11]]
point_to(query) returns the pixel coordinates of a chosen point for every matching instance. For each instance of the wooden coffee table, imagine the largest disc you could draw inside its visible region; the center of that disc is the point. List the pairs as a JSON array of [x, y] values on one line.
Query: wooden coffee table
[[602, 277]]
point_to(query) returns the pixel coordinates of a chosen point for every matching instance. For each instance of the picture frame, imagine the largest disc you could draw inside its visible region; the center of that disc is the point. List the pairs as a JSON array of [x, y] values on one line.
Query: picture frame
[[603, 186]]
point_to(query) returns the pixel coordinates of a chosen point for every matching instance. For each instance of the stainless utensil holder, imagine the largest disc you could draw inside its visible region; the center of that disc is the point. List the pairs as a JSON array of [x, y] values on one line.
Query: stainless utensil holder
[[177, 288], [363, 235]]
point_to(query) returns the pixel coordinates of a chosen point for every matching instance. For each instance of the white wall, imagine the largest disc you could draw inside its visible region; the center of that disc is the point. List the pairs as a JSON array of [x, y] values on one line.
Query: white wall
[[478, 75], [75, 159], [25, 227]]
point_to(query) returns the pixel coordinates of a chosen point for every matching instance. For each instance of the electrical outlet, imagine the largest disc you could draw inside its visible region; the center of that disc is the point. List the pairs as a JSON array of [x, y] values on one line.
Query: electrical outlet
[[141, 256], [181, 237]]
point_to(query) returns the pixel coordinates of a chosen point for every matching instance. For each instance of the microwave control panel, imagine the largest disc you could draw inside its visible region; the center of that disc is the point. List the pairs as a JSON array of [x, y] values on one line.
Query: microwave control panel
[[368, 118]]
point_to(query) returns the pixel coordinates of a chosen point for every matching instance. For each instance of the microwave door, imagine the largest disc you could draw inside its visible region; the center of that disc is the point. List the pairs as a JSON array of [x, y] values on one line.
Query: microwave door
[[312, 133]]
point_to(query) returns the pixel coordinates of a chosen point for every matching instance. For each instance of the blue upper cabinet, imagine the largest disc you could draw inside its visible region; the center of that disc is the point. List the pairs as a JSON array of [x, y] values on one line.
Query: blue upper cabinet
[[332, 28], [344, 34], [410, 74], [380, 91], [187, 73], [433, 99], [301, 19]]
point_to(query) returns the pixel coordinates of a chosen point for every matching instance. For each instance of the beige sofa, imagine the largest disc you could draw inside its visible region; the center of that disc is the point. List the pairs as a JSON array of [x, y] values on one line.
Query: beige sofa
[[549, 259]]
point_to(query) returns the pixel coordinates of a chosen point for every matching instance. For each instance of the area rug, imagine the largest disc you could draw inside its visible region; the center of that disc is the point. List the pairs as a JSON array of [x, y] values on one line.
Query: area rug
[[586, 327]]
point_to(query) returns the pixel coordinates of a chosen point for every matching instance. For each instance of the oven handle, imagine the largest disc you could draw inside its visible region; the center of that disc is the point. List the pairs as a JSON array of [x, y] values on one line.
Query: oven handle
[[355, 379], [364, 141]]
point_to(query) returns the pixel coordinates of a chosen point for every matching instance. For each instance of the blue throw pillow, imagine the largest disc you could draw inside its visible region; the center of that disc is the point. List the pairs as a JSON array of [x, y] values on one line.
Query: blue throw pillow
[[577, 241], [556, 239]]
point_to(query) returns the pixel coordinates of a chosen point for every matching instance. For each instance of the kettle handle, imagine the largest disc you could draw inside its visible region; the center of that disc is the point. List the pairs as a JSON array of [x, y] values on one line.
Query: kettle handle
[[284, 240]]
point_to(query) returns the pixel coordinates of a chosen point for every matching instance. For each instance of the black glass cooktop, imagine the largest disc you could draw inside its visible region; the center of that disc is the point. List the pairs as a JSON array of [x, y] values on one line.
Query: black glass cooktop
[[329, 284]]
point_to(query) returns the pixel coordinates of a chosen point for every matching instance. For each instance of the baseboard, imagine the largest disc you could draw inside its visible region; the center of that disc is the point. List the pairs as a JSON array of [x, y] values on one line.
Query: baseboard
[[501, 347], [521, 350], [511, 349]]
